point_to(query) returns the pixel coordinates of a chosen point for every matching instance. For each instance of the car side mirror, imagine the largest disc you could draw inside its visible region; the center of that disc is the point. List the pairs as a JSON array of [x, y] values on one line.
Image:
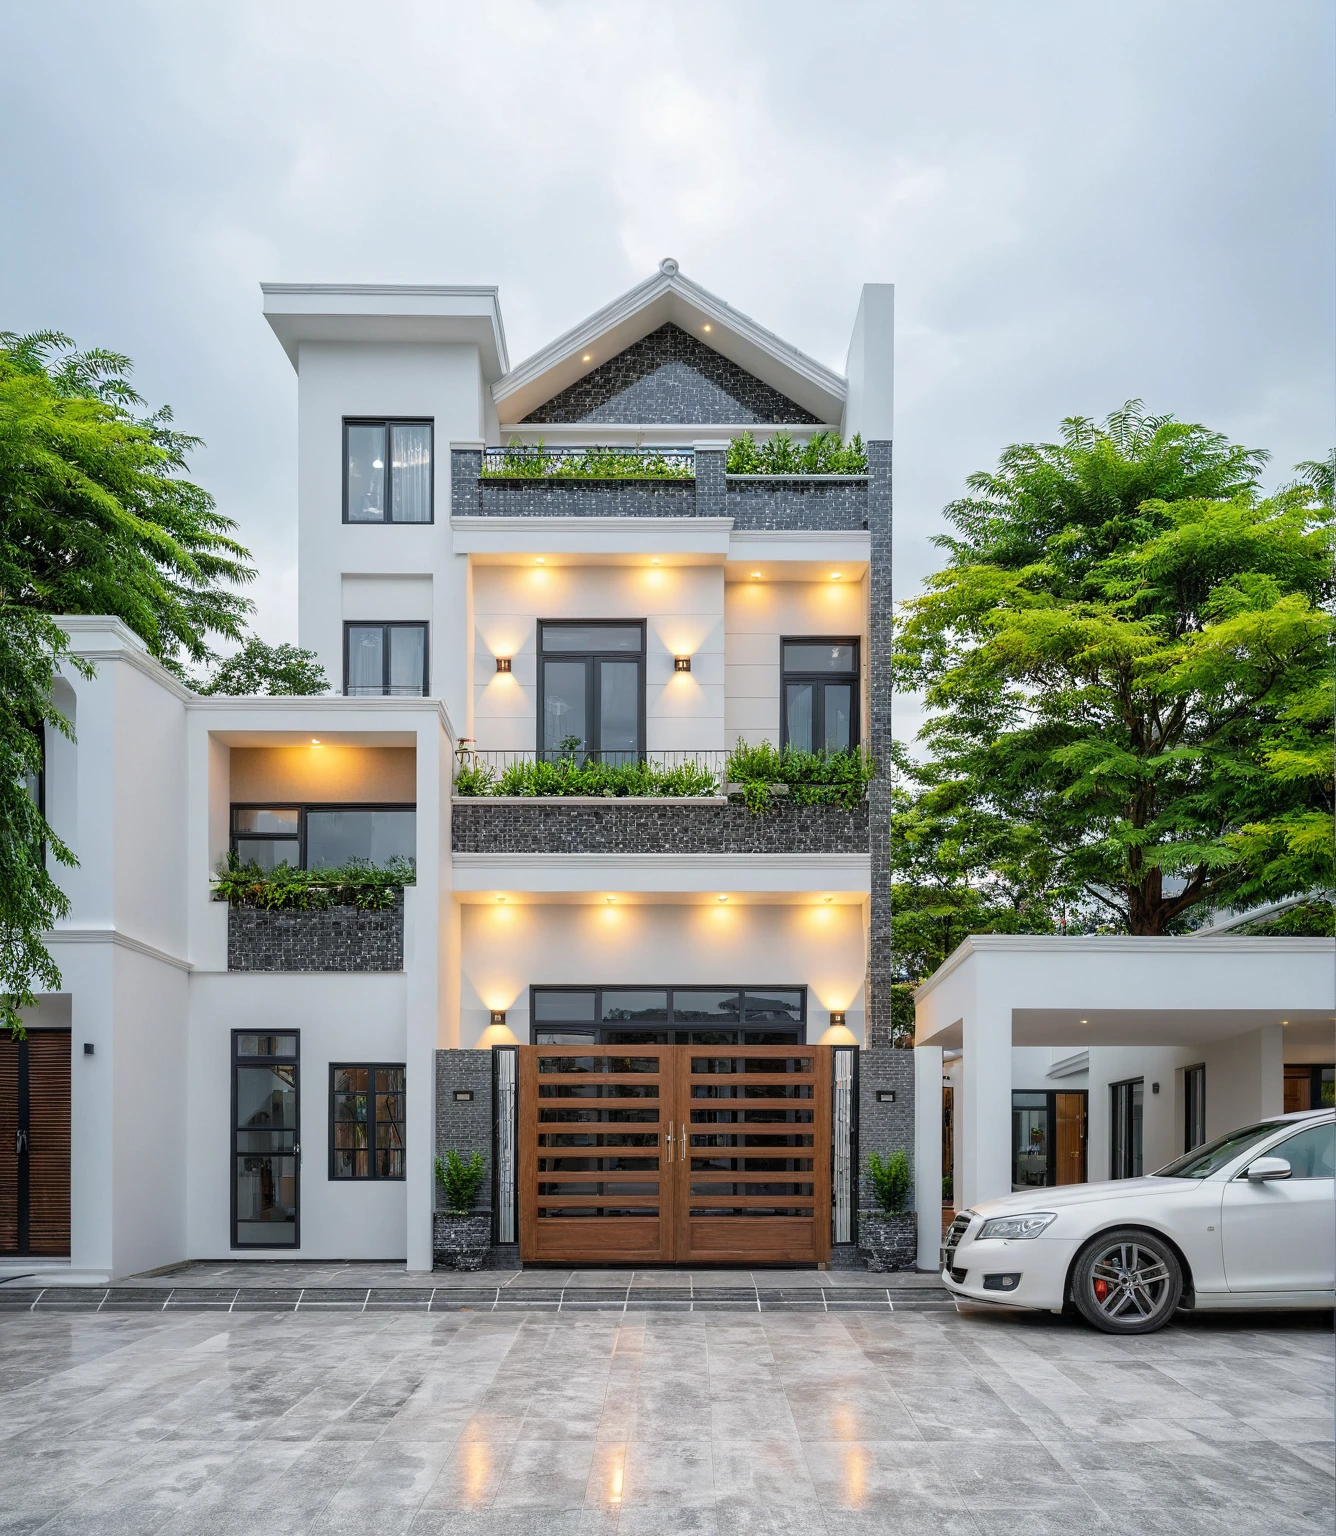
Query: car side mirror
[[1269, 1168]]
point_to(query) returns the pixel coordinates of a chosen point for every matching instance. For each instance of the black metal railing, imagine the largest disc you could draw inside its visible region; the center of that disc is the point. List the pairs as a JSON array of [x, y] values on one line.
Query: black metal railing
[[384, 690], [520, 462]]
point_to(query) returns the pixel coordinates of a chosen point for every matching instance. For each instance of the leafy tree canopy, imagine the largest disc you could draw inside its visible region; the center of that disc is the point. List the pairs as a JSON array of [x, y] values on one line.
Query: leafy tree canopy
[[258, 669], [1127, 660]]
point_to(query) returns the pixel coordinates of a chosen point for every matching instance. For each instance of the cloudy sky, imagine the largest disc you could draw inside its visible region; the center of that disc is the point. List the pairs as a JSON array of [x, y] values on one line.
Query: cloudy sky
[[1078, 201]]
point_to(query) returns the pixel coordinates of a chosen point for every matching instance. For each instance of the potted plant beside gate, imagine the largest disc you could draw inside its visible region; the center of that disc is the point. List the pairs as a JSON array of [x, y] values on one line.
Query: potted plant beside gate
[[462, 1237], [888, 1234]]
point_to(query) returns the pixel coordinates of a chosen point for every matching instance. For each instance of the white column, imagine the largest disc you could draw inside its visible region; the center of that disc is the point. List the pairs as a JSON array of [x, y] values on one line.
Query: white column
[[928, 1152], [985, 1164]]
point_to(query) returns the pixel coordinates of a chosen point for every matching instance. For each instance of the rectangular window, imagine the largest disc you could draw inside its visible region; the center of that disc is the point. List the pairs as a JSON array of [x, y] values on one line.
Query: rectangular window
[[819, 694], [1125, 1124], [591, 689], [387, 487], [266, 1135], [668, 1015], [1194, 1107], [322, 836], [385, 659], [1048, 1139], [1309, 1087], [366, 1121]]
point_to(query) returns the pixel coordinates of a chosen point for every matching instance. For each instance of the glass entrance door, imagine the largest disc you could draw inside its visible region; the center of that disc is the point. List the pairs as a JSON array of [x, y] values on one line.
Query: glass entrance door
[[266, 1136]]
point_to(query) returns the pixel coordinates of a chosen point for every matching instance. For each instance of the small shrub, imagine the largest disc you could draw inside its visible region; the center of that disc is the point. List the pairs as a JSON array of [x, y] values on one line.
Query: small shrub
[[460, 1181], [822, 454], [812, 778], [890, 1180], [538, 463], [948, 1189], [371, 887], [475, 779], [571, 775]]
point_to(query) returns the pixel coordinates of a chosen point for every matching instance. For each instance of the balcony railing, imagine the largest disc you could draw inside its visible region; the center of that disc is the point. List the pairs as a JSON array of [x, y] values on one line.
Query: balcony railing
[[383, 691], [605, 775], [592, 463]]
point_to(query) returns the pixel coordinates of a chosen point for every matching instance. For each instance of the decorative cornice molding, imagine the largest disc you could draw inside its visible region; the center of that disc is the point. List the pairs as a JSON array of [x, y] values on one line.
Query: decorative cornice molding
[[120, 939]]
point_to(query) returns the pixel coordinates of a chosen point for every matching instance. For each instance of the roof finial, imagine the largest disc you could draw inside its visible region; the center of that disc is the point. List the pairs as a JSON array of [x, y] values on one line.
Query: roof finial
[[668, 267]]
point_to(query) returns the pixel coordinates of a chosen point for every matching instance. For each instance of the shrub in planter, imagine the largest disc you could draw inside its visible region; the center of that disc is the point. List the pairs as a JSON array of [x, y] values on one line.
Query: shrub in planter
[[888, 1234], [461, 1237]]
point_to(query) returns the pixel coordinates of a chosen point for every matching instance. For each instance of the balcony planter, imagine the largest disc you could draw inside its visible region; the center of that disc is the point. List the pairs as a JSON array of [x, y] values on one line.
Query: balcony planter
[[461, 1242], [888, 1242]]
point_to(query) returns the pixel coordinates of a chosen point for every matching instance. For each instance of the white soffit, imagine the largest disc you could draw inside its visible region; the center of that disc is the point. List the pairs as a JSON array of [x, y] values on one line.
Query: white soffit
[[411, 312], [668, 296]]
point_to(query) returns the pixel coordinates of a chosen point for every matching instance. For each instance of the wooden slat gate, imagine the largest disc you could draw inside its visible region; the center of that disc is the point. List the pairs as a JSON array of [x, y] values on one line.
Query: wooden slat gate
[[35, 1143], [663, 1154]]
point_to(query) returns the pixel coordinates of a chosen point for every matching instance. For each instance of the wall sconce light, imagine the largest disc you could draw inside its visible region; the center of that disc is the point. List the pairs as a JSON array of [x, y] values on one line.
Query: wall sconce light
[[498, 1017], [503, 663], [463, 1095], [837, 1018], [681, 663]]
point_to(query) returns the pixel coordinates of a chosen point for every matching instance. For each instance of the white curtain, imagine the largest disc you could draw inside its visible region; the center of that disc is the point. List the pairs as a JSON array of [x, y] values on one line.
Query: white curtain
[[410, 458]]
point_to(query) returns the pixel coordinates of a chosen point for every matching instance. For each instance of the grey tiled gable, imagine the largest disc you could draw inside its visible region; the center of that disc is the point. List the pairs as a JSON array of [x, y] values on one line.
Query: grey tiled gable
[[670, 377]]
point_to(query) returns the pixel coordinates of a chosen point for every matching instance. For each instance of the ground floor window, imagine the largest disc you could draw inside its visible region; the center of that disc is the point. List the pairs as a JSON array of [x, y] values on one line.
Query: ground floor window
[[668, 1015], [266, 1137], [1126, 1100], [1194, 1107], [366, 1121], [1309, 1086], [1048, 1139]]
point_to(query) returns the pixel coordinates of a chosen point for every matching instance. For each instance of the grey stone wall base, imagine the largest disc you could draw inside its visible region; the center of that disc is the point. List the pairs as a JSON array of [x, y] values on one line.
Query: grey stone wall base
[[331, 939], [461, 1242], [888, 1242], [634, 826], [884, 1127], [845, 1256]]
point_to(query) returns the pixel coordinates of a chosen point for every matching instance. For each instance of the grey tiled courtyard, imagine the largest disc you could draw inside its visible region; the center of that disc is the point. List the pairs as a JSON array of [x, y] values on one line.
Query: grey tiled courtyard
[[527, 1422]]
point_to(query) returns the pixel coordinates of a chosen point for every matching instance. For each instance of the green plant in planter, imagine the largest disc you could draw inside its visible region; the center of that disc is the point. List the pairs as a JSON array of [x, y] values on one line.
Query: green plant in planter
[[890, 1180], [371, 887], [822, 454], [811, 778], [460, 1181]]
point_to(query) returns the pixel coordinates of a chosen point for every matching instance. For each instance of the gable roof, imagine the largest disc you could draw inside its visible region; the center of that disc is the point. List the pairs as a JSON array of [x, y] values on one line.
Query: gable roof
[[666, 298]]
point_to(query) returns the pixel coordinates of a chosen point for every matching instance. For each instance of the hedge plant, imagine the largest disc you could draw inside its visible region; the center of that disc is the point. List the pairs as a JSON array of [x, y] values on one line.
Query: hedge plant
[[460, 1181], [811, 778], [822, 454], [890, 1180], [569, 775], [597, 463], [370, 887]]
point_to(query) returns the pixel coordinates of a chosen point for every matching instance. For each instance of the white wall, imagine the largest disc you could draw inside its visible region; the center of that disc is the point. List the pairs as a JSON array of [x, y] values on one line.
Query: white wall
[[870, 366], [683, 607], [756, 615], [508, 948]]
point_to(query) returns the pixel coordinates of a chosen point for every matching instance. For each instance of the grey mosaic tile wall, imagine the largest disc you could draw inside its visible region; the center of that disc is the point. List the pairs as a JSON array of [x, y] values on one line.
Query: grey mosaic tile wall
[[797, 504], [879, 741], [335, 939], [671, 377], [587, 498], [630, 826], [884, 1128], [467, 1127]]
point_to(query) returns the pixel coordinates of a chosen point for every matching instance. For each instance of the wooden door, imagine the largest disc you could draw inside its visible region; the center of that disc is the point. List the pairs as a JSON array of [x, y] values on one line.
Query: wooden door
[[1070, 1139], [596, 1130], [35, 1144], [754, 1166]]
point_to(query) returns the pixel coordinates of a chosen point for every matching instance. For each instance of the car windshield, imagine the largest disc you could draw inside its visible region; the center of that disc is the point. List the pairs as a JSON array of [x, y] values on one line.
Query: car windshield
[[1204, 1160]]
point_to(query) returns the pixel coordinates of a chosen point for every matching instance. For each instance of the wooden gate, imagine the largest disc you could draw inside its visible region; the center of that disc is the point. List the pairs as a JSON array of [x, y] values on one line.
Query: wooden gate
[[35, 1144], [661, 1154]]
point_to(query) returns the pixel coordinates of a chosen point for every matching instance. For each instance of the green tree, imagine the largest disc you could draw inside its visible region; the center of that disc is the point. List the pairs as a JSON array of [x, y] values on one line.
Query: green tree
[[96, 516], [1127, 660], [258, 669]]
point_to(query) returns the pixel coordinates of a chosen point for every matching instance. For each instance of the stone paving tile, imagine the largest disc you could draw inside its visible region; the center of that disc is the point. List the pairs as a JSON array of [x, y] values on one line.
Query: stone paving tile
[[527, 1423]]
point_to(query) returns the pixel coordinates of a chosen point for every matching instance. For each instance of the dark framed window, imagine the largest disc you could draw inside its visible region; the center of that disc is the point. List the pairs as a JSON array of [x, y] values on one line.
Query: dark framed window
[[388, 471], [631, 1015], [591, 688], [819, 694], [1048, 1138], [266, 1139], [385, 659], [1194, 1107], [322, 836], [1125, 1115], [1309, 1086], [366, 1120]]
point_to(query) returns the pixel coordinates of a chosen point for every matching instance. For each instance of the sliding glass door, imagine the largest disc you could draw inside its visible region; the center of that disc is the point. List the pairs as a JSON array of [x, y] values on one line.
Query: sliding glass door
[[266, 1136], [1125, 1110]]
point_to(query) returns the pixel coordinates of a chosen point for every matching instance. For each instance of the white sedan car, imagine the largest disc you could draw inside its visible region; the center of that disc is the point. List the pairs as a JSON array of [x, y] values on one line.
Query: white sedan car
[[1247, 1220]]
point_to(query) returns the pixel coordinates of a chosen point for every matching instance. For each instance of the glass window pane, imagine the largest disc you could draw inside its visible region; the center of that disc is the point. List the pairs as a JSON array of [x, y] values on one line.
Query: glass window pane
[[408, 655], [268, 852], [267, 1096], [839, 717], [1311, 1154], [592, 637], [366, 474], [635, 1007], [774, 1007], [266, 1200], [706, 1007], [619, 709], [366, 658], [410, 463], [563, 1007], [284, 818], [563, 1037], [350, 1080], [564, 705], [798, 697], [818, 658], [335, 837], [389, 1079], [266, 1045]]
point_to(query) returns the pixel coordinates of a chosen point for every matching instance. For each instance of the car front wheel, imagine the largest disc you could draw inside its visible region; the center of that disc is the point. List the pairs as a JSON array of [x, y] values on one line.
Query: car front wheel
[[1127, 1281]]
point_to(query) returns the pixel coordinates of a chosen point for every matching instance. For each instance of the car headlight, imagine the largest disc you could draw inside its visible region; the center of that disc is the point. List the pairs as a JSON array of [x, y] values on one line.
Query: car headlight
[[1017, 1226]]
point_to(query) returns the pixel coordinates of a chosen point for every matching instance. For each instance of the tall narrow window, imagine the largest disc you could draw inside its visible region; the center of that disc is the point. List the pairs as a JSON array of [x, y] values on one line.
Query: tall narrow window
[[819, 695], [366, 1122], [591, 690], [1125, 1121], [387, 472], [266, 1152], [385, 659], [1194, 1107]]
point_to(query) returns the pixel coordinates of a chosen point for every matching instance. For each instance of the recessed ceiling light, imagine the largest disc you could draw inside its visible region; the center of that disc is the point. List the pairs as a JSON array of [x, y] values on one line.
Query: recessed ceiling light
[[723, 898], [539, 560], [835, 575], [828, 899], [501, 901], [377, 464], [1085, 1021], [756, 575], [611, 899], [654, 560], [586, 358], [706, 326], [315, 741]]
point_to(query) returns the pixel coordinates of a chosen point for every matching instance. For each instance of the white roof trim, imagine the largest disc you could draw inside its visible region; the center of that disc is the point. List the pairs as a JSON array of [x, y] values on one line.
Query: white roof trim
[[668, 296]]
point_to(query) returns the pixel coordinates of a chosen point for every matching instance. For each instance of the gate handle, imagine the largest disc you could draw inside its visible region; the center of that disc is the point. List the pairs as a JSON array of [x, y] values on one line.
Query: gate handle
[[684, 1141], [670, 1139], [20, 1143]]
